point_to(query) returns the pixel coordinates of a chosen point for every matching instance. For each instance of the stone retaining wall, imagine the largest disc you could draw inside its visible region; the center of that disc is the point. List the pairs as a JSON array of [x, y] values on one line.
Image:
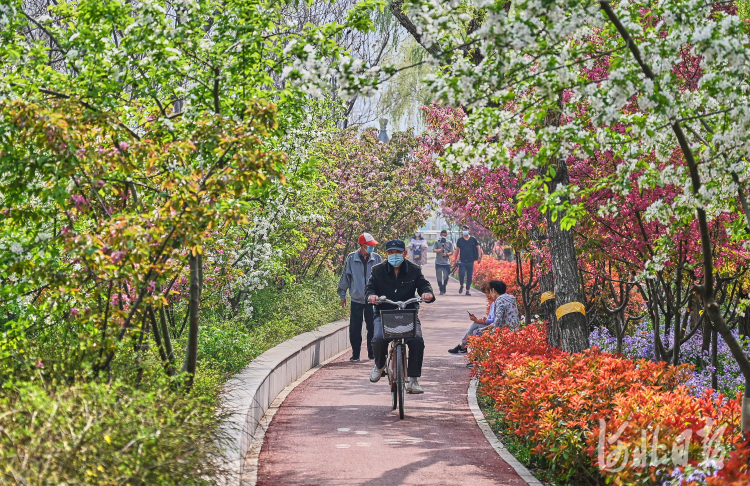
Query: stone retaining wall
[[249, 393]]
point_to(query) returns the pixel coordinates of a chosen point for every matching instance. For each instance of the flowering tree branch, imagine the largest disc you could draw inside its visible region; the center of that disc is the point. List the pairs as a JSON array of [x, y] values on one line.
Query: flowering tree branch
[[707, 289]]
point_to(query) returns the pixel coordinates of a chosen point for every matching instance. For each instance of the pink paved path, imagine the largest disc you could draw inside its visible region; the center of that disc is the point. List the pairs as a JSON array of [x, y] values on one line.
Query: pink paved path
[[337, 428]]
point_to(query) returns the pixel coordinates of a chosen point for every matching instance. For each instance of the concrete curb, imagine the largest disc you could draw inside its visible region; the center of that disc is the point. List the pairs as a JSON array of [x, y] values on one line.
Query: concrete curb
[[494, 441], [249, 394]]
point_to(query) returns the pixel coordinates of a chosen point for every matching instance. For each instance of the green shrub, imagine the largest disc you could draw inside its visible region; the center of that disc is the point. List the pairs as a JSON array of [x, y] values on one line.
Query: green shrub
[[106, 435], [227, 345], [224, 346], [54, 433], [308, 304]]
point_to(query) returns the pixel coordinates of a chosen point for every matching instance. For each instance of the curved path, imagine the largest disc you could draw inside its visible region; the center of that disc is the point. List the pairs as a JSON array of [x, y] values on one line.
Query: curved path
[[337, 428]]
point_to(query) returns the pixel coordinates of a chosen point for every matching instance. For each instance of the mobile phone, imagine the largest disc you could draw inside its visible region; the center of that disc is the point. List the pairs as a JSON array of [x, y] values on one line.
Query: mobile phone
[[470, 314]]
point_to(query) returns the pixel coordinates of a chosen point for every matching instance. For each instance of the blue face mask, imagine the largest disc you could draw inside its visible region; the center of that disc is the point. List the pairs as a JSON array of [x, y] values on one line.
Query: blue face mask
[[396, 259], [370, 249], [466, 233]]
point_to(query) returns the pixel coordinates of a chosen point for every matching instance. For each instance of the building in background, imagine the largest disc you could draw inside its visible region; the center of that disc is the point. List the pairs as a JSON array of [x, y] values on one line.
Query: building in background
[[435, 224]]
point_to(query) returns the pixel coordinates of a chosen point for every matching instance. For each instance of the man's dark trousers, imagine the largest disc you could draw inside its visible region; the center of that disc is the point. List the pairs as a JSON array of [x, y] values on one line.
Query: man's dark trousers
[[465, 270], [443, 273], [358, 311]]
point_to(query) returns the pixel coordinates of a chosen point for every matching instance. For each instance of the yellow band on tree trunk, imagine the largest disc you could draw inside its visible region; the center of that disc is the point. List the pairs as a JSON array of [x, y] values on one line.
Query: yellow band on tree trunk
[[570, 307], [547, 296]]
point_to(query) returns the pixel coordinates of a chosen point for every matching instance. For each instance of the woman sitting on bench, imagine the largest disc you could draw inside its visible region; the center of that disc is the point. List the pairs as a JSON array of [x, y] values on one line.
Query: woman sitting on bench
[[503, 313]]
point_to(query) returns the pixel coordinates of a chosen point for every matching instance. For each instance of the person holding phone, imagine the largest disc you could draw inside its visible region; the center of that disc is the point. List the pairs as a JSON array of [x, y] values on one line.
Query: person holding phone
[[503, 312], [443, 250], [477, 324]]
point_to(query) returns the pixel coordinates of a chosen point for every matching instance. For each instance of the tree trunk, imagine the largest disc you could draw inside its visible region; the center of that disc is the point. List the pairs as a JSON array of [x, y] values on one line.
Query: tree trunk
[[680, 330], [191, 355], [574, 331], [743, 321], [706, 332], [166, 337], [547, 284], [526, 286], [140, 350], [158, 331], [656, 324], [714, 359], [621, 324], [158, 341]]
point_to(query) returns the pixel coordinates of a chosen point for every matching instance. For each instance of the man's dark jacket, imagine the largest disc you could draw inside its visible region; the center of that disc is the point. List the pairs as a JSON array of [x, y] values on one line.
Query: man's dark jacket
[[383, 281]]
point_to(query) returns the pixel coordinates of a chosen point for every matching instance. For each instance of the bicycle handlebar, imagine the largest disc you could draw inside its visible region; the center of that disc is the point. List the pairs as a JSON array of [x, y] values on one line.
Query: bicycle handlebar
[[384, 300]]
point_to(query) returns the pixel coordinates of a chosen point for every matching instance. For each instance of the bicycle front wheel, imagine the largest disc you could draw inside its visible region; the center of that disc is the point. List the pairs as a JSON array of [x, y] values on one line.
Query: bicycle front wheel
[[390, 366], [393, 383], [400, 379]]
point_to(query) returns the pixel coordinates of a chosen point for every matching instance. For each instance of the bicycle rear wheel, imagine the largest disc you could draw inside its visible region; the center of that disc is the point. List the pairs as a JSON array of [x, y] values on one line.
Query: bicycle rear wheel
[[400, 379]]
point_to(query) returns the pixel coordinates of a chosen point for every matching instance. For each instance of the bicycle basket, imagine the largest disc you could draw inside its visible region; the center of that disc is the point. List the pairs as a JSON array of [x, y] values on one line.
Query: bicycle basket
[[399, 323]]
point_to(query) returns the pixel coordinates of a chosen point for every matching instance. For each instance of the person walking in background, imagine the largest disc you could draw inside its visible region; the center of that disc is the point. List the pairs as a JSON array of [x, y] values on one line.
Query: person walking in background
[[497, 251], [443, 249], [354, 278], [418, 249], [469, 251]]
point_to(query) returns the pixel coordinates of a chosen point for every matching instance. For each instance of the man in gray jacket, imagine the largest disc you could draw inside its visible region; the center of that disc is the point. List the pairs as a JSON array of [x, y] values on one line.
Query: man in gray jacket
[[357, 269]]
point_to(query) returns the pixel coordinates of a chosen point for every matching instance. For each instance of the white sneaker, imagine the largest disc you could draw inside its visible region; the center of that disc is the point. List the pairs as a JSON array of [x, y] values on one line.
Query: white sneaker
[[414, 387], [376, 373]]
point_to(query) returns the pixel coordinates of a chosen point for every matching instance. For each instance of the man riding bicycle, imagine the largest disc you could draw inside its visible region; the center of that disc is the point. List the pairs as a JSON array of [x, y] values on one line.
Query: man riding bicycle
[[398, 280]]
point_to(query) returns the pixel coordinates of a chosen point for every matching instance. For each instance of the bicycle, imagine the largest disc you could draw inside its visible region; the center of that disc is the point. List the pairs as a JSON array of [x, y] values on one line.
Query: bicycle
[[417, 256], [398, 324]]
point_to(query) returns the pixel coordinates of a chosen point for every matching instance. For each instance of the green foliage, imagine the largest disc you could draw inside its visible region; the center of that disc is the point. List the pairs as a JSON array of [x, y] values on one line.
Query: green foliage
[[743, 9], [57, 433], [116, 191], [134, 137], [228, 344], [98, 434], [307, 304]]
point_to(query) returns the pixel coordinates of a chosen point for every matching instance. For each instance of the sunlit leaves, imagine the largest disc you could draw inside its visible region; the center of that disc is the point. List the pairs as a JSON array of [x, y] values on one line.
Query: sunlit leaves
[[117, 216]]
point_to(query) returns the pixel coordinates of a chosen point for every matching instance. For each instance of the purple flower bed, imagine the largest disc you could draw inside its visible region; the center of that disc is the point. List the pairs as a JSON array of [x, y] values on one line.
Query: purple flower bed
[[640, 344]]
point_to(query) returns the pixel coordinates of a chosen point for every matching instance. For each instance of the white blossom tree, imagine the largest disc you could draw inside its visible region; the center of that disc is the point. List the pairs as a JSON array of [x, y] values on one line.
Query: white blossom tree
[[575, 78]]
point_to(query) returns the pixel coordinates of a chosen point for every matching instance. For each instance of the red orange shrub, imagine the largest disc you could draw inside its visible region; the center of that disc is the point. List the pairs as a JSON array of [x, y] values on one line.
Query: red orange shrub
[[490, 268], [556, 402], [736, 472]]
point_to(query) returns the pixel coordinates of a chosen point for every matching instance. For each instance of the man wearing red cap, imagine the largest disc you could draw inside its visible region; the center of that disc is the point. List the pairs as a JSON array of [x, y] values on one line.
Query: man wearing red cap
[[354, 278]]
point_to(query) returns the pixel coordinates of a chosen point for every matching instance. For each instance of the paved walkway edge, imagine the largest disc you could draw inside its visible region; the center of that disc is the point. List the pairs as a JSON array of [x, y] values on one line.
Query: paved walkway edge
[[250, 471], [494, 441], [248, 394]]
